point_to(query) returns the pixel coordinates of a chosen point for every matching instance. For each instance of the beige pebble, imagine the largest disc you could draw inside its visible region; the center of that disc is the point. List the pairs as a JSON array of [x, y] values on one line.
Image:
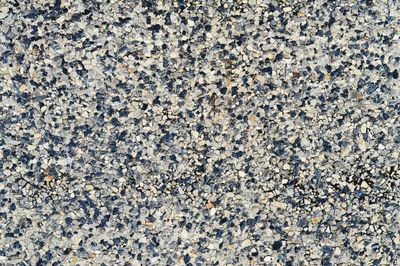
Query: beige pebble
[[209, 205], [364, 184], [287, 9], [246, 243], [314, 220]]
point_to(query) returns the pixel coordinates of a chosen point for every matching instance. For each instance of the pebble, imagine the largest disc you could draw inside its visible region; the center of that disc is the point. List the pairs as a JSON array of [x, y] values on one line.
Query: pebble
[[246, 243], [364, 184], [213, 211], [314, 220], [287, 9], [209, 205]]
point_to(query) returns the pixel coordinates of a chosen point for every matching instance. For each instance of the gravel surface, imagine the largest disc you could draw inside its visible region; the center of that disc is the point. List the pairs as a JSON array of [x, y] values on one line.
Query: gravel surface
[[246, 132]]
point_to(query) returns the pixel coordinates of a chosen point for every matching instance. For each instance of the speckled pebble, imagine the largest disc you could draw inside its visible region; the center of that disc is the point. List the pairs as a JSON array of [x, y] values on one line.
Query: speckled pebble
[[246, 132]]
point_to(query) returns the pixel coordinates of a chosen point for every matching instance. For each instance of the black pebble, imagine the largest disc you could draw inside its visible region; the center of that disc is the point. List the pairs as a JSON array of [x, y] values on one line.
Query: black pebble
[[13, 207], [277, 245], [395, 74], [144, 106], [168, 19], [68, 221], [267, 70], [238, 154], [156, 28], [279, 57]]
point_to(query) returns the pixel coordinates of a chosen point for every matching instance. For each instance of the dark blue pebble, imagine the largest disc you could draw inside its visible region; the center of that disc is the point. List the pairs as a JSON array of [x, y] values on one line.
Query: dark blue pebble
[[277, 245], [168, 137], [242, 225], [48, 256], [115, 122], [186, 258], [68, 221], [326, 262], [238, 154], [199, 128], [279, 148], [267, 70], [234, 91], [17, 245], [372, 88], [327, 249], [219, 233], [395, 74], [297, 143], [288, 263], [327, 146]]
